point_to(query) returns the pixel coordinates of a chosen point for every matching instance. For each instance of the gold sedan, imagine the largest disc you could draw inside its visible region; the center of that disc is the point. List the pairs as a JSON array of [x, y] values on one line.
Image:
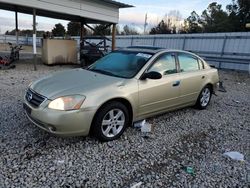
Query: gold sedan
[[125, 86]]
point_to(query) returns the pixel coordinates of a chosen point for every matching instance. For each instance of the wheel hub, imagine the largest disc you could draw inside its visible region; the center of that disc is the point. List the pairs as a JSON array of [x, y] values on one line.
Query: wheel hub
[[113, 123]]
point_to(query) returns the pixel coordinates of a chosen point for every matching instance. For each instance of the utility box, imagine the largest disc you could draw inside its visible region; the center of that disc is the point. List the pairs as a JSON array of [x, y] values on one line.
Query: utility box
[[59, 51]]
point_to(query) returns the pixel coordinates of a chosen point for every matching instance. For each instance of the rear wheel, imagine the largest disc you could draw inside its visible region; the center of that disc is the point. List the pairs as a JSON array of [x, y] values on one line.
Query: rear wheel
[[204, 97], [110, 121]]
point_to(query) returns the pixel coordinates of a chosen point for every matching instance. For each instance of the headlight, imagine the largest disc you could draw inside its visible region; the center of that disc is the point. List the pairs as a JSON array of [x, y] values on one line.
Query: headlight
[[67, 102]]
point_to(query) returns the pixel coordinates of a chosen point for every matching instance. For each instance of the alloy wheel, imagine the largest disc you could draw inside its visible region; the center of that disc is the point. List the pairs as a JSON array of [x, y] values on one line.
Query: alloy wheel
[[113, 123], [205, 97]]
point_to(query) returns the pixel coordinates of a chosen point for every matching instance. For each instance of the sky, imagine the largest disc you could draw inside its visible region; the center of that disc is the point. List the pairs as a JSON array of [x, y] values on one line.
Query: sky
[[134, 17]]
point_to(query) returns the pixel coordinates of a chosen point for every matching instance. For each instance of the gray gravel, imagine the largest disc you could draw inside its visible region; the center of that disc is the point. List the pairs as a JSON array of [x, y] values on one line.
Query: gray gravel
[[30, 157]]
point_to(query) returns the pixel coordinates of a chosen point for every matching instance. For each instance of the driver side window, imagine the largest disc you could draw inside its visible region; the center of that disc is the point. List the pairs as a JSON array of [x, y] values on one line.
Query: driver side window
[[165, 65]]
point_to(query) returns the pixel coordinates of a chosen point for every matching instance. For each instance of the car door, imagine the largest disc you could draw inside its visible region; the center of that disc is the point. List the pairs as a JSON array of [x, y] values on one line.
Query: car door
[[158, 95], [191, 78]]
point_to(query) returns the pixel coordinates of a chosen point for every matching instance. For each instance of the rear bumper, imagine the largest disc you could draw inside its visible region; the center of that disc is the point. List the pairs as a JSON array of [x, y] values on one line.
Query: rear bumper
[[62, 123], [216, 87]]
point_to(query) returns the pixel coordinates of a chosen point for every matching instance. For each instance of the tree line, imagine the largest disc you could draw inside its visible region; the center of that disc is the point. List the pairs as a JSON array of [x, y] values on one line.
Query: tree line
[[73, 29], [213, 19]]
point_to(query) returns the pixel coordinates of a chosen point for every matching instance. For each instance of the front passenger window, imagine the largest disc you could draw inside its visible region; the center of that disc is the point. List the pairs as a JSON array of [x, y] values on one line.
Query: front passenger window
[[164, 65]]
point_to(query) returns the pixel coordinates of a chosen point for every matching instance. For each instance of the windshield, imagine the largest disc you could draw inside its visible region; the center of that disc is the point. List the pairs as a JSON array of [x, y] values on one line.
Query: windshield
[[122, 64]]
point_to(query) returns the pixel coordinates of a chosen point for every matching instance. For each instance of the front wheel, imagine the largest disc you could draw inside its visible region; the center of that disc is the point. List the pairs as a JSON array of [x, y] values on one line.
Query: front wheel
[[204, 98], [110, 121]]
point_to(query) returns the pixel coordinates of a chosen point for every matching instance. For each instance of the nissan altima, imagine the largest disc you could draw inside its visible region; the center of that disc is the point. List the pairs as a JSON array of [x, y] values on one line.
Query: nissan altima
[[123, 87]]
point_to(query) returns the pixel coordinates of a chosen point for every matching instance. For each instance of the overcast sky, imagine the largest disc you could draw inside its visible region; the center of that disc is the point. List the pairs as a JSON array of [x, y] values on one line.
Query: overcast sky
[[156, 9]]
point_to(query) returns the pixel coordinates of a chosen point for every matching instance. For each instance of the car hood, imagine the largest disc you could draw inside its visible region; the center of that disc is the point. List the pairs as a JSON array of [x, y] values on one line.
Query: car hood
[[76, 81]]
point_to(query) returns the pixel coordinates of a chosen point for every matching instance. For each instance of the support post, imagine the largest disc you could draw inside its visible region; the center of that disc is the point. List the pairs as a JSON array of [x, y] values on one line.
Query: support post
[[16, 18], [184, 43], [153, 41], [34, 39], [82, 62], [223, 49], [113, 36], [82, 31], [223, 46]]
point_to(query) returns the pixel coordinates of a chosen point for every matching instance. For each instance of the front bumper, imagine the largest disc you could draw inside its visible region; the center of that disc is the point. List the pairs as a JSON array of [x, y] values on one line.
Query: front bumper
[[63, 123]]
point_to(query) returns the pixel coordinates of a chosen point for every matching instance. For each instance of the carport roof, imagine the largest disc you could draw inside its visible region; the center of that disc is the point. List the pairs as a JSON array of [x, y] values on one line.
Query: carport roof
[[95, 11], [120, 5]]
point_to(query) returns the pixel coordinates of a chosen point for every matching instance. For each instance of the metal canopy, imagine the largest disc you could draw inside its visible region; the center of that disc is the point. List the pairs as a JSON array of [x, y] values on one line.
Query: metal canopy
[[84, 11], [120, 5], [95, 11]]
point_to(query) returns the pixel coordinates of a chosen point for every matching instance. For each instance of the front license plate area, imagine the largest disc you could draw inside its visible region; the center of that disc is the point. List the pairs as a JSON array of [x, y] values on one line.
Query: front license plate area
[[26, 108]]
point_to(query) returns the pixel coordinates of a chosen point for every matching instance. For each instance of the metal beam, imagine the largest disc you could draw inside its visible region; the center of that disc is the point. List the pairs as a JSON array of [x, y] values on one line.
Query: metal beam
[[101, 34], [16, 19], [34, 39], [82, 33]]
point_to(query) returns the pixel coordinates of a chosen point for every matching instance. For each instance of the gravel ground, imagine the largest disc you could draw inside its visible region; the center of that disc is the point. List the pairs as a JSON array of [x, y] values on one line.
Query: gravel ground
[[30, 157]]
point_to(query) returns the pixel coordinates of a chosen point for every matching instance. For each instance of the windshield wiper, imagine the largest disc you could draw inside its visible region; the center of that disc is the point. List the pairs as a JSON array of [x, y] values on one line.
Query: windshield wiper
[[103, 72]]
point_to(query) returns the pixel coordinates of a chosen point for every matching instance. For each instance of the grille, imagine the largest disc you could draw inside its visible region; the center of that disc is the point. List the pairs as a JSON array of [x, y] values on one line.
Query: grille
[[33, 98]]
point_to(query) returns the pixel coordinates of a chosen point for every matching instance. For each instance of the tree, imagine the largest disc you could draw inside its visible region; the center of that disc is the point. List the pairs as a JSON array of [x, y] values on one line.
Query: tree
[[239, 14], [74, 28], [129, 31], [26, 32], [118, 30], [173, 19], [214, 19], [12, 32], [232, 8], [194, 23], [243, 13], [58, 30], [174, 30], [184, 27], [102, 29], [235, 24], [161, 28]]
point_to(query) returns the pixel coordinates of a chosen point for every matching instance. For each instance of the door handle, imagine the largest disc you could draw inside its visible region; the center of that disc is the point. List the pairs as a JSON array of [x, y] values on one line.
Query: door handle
[[176, 83]]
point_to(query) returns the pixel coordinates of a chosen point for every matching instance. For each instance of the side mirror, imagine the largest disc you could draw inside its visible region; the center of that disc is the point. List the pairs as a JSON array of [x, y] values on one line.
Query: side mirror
[[151, 75]]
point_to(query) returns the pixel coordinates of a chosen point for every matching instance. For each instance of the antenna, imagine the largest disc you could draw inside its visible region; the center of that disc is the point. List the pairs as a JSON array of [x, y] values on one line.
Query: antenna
[[145, 23]]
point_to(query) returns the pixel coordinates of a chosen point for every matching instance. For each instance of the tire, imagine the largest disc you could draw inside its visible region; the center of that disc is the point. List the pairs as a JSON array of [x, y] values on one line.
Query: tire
[[204, 98], [110, 121]]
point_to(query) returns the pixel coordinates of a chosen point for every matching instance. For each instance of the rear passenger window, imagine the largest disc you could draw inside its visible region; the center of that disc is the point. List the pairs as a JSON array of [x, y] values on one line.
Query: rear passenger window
[[188, 63], [164, 65]]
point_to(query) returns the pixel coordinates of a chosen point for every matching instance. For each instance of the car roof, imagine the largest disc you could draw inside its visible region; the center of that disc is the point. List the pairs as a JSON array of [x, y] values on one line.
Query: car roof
[[152, 49], [145, 49]]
